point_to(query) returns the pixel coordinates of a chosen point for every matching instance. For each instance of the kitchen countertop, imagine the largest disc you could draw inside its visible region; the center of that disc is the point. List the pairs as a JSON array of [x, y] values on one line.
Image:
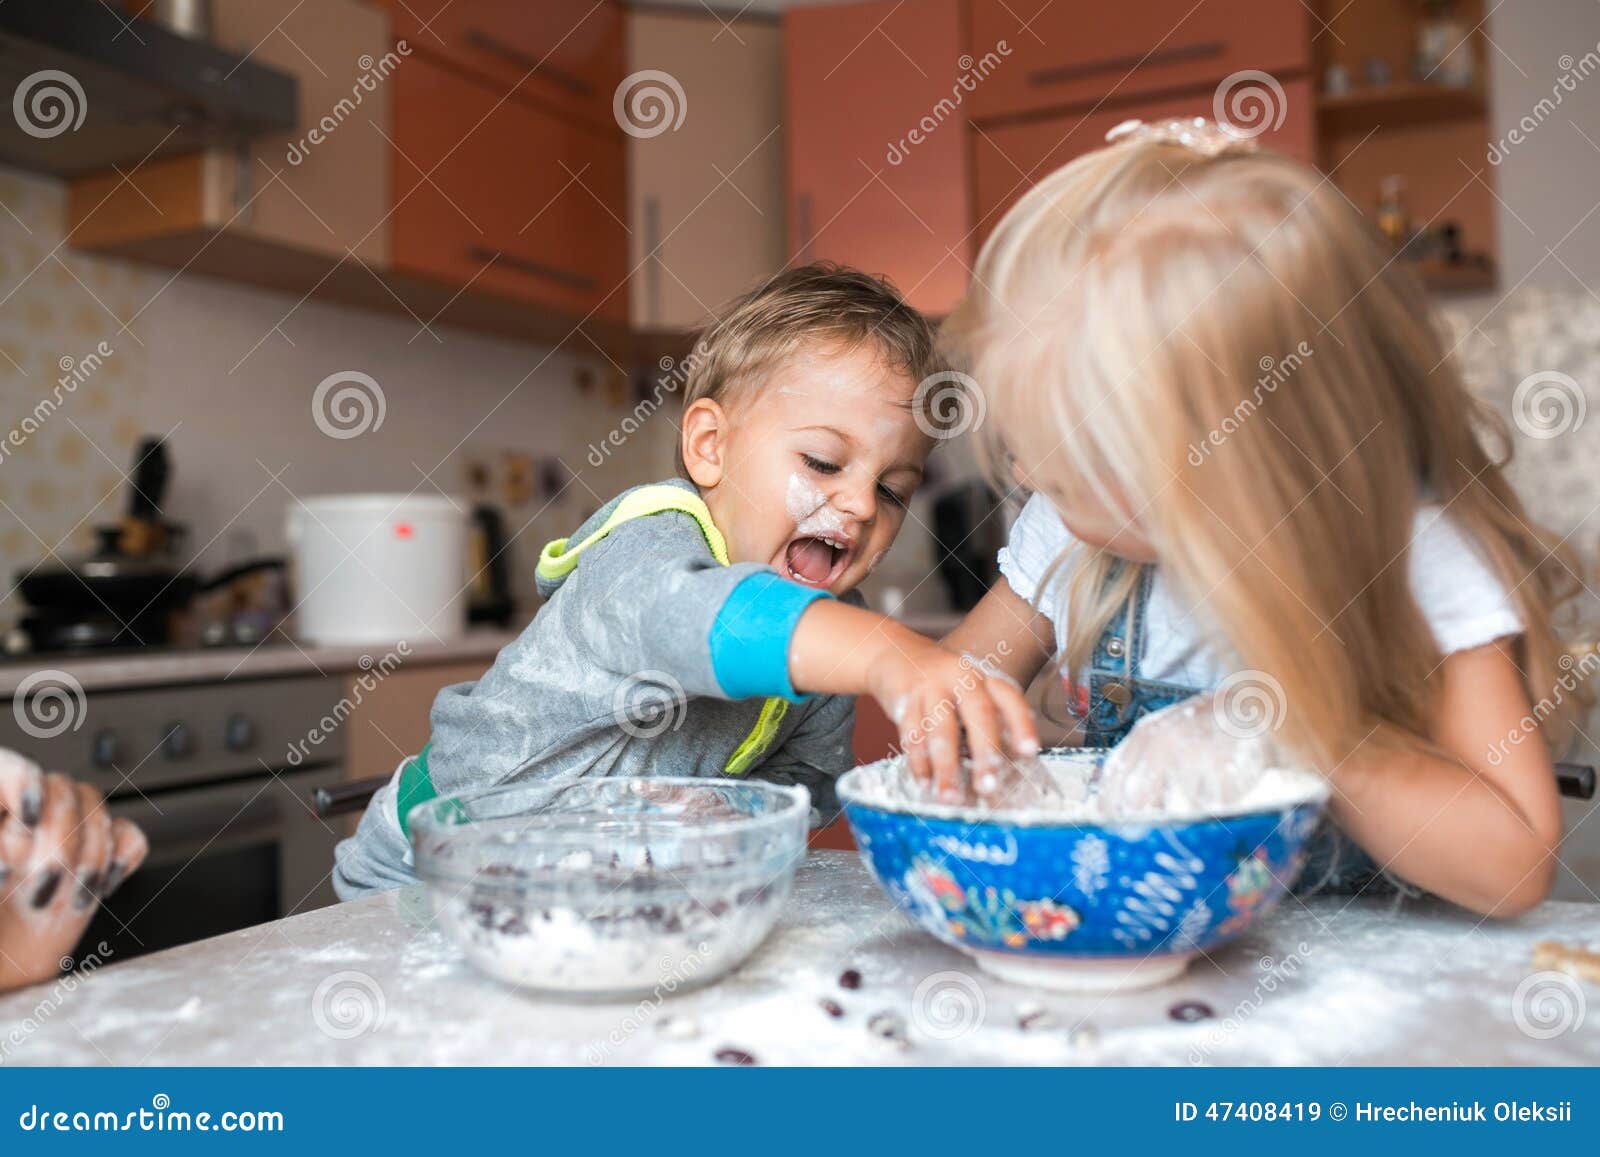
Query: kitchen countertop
[[206, 664], [1328, 981]]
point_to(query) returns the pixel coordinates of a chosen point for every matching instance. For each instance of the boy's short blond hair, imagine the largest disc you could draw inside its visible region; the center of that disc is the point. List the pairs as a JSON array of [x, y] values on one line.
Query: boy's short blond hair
[[820, 302]]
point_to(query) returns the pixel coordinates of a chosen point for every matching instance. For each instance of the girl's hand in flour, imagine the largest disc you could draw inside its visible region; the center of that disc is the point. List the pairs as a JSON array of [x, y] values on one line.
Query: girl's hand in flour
[[60, 853], [1192, 754]]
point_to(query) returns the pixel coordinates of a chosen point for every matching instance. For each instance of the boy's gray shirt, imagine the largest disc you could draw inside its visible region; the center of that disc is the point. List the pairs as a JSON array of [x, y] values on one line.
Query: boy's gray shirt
[[612, 677]]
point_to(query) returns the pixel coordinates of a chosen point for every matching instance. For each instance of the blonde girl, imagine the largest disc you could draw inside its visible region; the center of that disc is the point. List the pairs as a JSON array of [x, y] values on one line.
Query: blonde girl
[[1256, 474]]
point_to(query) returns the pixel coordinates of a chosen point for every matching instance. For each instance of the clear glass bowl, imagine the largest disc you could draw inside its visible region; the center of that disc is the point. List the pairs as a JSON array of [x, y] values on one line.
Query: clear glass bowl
[[610, 888]]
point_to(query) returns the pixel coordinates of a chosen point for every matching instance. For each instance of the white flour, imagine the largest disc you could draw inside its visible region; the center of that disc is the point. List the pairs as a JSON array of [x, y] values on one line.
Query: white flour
[[813, 516], [1061, 788], [617, 946]]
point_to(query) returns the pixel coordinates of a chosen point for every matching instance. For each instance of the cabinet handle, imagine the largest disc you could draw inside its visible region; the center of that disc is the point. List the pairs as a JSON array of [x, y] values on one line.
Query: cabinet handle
[[802, 225], [1576, 780], [343, 798], [565, 277], [652, 251], [244, 182], [494, 46], [1177, 55]]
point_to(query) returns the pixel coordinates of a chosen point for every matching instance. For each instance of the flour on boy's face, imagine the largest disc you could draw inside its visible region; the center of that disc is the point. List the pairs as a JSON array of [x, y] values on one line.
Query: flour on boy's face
[[820, 463], [822, 547]]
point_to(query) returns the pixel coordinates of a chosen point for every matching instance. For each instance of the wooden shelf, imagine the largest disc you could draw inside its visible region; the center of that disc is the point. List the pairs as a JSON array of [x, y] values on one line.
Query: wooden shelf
[[1403, 103], [1472, 275], [235, 256]]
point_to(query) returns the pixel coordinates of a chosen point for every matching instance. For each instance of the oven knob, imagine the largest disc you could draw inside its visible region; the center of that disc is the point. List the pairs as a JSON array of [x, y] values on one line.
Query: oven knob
[[178, 743], [239, 733], [104, 752]]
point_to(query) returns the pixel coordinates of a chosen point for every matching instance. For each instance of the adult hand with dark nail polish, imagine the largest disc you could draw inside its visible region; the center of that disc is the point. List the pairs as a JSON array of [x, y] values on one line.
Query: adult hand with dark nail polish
[[60, 854]]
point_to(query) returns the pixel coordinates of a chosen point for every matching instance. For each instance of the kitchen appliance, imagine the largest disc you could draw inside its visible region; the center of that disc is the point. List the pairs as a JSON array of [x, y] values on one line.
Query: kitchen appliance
[[129, 591], [968, 531], [191, 18], [489, 569], [95, 89], [378, 568], [219, 776]]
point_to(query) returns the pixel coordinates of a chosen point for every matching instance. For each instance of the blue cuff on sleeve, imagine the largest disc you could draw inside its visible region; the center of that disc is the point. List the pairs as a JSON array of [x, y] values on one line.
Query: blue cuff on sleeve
[[750, 636]]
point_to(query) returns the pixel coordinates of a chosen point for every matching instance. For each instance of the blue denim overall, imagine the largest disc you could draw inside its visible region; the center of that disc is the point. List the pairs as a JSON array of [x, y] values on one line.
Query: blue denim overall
[[1119, 696]]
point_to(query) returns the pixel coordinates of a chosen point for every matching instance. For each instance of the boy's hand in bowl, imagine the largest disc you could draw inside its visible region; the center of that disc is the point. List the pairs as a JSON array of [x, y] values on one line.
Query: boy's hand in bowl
[[963, 728], [940, 701]]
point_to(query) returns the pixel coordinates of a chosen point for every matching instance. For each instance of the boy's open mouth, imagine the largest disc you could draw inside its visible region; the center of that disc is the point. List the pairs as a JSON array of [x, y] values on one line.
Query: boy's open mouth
[[815, 560]]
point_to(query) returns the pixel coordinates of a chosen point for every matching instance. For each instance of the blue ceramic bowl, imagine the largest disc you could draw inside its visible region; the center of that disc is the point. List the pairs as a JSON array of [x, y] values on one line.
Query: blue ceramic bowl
[[1075, 905]]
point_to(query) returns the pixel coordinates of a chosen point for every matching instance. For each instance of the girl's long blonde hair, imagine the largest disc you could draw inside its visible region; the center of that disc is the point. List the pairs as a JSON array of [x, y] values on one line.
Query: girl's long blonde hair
[[1220, 349]]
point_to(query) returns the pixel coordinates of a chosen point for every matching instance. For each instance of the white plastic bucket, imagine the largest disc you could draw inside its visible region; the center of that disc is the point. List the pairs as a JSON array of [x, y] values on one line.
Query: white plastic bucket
[[379, 568]]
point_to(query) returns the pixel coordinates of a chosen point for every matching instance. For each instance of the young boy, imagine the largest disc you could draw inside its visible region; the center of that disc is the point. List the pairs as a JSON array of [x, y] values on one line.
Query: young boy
[[693, 627]]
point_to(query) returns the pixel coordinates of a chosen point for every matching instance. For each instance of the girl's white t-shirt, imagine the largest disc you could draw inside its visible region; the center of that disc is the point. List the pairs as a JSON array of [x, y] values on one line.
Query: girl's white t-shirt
[[1463, 601]]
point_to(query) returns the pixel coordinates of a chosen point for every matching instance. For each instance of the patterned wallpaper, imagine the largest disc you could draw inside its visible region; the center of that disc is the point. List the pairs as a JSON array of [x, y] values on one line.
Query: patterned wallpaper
[[230, 374], [63, 346]]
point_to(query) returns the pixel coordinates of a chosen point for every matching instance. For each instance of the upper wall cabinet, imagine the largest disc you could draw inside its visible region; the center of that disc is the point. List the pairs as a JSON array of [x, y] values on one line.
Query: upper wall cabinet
[[564, 53], [1010, 158], [706, 191], [505, 196], [1074, 52], [326, 197], [434, 171], [876, 111]]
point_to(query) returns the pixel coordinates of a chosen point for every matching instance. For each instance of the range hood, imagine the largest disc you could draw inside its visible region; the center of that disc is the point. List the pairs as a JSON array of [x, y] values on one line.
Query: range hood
[[91, 89]]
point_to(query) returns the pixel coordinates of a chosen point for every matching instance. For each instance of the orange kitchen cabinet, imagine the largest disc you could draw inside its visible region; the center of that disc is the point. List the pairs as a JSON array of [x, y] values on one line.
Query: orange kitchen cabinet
[[528, 204], [1075, 53], [875, 737], [859, 80], [1009, 159], [567, 54]]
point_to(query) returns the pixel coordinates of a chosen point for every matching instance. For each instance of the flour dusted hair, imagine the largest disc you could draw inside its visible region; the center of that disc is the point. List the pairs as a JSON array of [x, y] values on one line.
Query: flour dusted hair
[[1223, 351]]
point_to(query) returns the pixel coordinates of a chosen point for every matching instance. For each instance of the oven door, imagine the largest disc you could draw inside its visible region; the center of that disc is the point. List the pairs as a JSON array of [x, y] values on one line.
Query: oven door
[[222, 857]]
